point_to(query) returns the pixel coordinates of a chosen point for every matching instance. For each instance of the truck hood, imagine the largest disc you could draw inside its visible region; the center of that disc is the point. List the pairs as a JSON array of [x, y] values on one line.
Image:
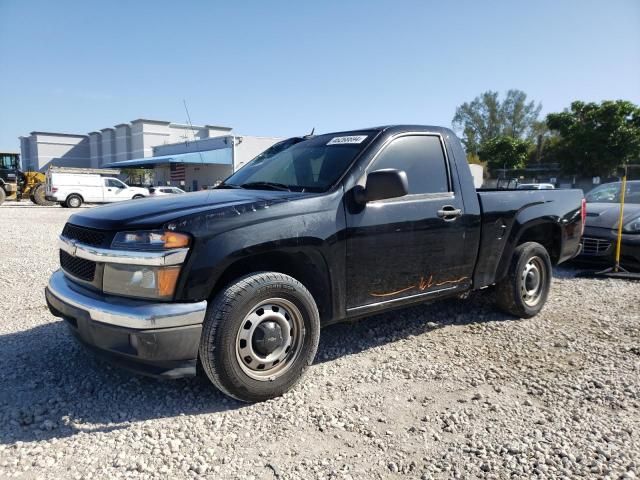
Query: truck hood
[[605, 215], [155, 212]]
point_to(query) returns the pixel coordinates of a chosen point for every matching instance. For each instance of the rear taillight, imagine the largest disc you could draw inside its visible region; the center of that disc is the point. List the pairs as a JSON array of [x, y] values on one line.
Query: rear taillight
[[583, 214], [54, 189]]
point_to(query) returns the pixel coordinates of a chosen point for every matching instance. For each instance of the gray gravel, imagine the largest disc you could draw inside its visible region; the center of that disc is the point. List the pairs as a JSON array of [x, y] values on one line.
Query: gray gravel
[[452, 389]]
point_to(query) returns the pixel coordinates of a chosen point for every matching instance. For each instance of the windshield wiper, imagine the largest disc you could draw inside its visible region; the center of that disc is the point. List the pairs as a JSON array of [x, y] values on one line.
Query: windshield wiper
[[268, 185], [228, 185]]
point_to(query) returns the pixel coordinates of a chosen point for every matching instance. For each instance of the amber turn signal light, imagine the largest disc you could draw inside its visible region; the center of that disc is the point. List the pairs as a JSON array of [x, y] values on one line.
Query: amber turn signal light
[[176, 240], [167, 279]]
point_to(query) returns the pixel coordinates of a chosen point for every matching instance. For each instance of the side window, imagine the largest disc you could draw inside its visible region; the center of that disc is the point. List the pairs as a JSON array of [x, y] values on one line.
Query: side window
[[633, 193], [113, 183], [422, 158]]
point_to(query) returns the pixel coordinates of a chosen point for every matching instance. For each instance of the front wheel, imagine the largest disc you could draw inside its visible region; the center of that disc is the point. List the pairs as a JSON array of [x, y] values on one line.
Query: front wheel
[[74, 201], [524, 290], [135, 197], [259, 336]]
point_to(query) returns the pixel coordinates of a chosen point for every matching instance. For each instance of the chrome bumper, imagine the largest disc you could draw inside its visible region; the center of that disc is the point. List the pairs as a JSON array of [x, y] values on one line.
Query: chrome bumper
[[123, 312]]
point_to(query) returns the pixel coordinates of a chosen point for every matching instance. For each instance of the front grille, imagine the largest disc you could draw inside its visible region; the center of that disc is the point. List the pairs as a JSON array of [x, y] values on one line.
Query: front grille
[[78, 267], [595, 246], [83, 235]]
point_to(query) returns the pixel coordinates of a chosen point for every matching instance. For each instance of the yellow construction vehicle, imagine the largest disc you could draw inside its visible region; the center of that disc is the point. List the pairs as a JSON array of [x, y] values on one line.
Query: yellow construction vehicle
[[18, 185]]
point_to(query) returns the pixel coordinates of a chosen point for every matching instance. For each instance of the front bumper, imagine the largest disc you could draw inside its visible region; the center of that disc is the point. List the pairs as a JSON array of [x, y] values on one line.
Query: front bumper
[[158, 339], [599, 247]]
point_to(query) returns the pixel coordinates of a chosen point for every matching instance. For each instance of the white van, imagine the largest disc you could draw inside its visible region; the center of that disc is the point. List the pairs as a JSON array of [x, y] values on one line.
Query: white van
[[71, 187]]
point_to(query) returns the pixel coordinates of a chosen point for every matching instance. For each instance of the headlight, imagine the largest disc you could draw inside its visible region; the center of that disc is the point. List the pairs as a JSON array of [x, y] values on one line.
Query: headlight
[[140, 281], [150, 240], [633, 226], [144, 281]]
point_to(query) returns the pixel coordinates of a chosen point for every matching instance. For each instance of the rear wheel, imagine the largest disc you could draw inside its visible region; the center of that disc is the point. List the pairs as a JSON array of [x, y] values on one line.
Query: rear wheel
[[259, 336], [135, 197], [523, 292], [74, 201]]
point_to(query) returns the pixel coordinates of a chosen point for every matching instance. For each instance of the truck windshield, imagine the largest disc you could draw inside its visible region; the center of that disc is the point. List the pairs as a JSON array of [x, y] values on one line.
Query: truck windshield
[[311, 165]]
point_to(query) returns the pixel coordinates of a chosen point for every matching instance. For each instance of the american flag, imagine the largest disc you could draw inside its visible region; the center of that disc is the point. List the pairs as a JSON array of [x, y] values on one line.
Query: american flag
[[178, 171]]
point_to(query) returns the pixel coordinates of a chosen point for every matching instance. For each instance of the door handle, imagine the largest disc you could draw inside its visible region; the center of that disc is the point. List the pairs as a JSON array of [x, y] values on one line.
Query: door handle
[[449, 213]]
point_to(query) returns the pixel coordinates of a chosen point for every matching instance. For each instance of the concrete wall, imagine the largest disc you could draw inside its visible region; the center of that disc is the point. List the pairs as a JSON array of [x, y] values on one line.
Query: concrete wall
[[33, 151], [197, 146], [179, 132], [215, 131], [42, 149], [123, 142], [108, 145], [95, 149], [248, 148], [25, 156], [146, 134]]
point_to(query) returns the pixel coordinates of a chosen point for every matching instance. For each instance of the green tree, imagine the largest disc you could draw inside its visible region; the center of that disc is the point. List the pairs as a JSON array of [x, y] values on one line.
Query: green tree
[[544, 147], [597, 137], [486, 117], [505, 152]]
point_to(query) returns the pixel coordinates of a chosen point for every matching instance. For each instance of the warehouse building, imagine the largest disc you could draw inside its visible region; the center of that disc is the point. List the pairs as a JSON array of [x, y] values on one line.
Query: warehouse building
[[189, 156], [198, 164]]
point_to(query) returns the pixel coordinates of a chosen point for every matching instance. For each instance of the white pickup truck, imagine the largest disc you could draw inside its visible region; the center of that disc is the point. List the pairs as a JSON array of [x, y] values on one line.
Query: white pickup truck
[[71, 187]]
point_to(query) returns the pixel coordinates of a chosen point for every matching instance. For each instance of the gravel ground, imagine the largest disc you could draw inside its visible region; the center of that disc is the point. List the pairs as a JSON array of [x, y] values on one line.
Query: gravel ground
[[452, 389]]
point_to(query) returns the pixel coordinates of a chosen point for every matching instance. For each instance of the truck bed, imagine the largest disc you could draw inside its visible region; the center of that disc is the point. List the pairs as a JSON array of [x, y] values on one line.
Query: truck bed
[[505, 214]]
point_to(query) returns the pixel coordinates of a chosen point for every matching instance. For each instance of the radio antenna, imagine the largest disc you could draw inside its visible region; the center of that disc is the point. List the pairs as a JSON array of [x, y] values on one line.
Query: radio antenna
[[186, 109]]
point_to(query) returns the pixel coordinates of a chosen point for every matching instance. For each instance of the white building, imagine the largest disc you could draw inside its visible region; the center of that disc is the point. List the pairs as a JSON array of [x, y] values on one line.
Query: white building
[[209, 153], [201, 163]]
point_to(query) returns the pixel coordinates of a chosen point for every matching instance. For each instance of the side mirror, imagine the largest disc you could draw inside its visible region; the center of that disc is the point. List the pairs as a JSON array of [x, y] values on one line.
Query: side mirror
[[382, 184]]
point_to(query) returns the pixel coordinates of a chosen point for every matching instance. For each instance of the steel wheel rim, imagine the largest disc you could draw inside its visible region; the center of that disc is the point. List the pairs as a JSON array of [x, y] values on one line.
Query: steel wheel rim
[[533, 280], [275, 364], [74, 202]]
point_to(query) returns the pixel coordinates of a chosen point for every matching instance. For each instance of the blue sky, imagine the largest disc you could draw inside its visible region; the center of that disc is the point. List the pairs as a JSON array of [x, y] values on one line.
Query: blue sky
[[281, 68]]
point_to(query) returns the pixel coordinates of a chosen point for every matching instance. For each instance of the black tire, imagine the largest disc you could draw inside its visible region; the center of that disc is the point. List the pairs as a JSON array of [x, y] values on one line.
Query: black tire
[[135, 197], [38, 196], [228, 318], [524, 290], [73, 201], [63, 204], [3, 196]]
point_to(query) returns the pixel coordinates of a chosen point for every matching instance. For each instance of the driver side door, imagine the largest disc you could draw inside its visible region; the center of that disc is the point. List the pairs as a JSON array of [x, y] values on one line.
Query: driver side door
[[408, 246], [115, 190]]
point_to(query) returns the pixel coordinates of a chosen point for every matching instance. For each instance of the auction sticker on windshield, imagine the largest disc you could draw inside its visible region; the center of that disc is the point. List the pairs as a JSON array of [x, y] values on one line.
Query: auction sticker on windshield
[[348, 139]]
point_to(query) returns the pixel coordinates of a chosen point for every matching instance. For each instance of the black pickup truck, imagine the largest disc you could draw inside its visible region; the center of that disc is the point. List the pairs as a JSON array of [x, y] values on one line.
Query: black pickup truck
[[237, 281]]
